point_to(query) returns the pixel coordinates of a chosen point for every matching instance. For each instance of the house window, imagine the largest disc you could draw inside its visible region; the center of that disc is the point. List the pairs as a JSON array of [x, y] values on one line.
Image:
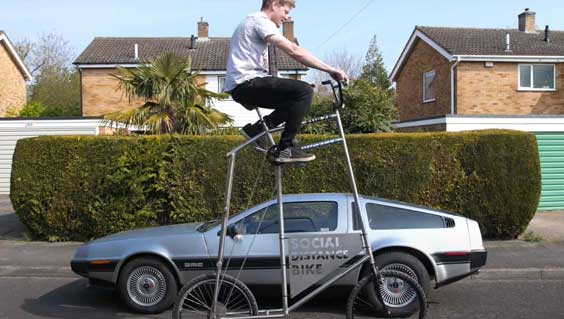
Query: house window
[[221, 84], [429, 87], [537, 77]]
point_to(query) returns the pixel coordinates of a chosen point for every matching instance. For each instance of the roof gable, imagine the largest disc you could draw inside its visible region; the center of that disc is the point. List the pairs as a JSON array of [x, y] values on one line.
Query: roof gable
[[207, 54], [12, 51], [484, 44]]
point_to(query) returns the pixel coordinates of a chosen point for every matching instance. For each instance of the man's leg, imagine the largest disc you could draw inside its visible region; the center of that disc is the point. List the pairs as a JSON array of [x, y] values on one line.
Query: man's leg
[[290, 99]]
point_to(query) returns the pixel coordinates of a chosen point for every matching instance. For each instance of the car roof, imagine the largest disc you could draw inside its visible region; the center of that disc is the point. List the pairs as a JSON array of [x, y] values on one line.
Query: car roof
[[341, 196]]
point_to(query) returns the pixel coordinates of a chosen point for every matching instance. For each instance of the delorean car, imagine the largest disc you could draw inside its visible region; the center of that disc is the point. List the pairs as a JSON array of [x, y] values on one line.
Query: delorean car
[[149, 266]]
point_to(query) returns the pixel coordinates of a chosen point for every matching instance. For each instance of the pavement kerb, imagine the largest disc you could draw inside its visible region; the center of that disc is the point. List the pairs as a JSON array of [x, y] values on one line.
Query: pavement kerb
[[520, 274]]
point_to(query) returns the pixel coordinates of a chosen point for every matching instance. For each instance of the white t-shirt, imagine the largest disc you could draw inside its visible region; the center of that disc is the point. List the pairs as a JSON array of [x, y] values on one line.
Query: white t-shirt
[[248, 53]]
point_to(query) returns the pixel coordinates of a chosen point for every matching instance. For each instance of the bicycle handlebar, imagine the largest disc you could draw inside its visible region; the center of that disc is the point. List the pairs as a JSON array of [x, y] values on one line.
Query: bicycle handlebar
[[337, 92]]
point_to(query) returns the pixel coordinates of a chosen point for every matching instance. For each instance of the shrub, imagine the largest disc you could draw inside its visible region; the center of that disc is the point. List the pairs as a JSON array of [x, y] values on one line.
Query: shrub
[[78, 188]]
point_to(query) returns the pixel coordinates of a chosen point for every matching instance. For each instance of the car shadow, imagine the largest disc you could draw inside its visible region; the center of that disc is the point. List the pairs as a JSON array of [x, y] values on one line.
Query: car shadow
[[76, 300]]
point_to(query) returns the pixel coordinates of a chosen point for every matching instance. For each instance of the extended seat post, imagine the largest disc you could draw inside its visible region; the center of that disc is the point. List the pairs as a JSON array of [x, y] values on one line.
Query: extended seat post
[[280, 221], [265, 127]]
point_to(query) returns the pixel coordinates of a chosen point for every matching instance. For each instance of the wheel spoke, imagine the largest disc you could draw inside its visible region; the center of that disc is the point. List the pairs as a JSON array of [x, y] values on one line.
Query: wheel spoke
[[234, 299]]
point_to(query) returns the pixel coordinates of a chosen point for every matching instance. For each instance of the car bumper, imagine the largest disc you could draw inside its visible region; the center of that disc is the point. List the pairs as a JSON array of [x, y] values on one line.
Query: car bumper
[[456, 267], [93, 270], [478, 259]]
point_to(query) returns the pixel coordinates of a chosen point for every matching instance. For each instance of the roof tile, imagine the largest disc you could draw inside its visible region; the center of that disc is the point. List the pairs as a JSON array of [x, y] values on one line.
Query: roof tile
[[473, 41], [208, 54]]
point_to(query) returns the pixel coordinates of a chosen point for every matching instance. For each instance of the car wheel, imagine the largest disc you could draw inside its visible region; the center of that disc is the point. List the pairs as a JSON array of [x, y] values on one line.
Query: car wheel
[[147, 285], [407, 264]]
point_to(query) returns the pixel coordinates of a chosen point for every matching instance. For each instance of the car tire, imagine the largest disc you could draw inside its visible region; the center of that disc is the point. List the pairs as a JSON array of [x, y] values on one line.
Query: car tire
[[402, 262], [147, 285]]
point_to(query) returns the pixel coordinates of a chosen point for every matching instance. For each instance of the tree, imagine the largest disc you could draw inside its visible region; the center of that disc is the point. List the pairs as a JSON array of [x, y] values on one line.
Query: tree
[[174, 100], [369, 109], [59, 91], [49, 51], [341, 59], [374, 71], [56, 84], [369, 100]]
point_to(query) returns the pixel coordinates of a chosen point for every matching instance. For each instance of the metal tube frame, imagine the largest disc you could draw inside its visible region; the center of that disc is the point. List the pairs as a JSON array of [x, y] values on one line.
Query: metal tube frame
[[282, 236]]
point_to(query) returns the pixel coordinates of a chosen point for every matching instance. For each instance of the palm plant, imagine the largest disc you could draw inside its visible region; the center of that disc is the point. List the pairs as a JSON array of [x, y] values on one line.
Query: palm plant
[[174, 100]]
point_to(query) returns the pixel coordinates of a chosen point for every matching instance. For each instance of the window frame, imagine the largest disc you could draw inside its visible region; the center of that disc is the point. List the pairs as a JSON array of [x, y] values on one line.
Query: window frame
[[335, 202], [356, 221], [532, 87], [219, 87], [434, 73]]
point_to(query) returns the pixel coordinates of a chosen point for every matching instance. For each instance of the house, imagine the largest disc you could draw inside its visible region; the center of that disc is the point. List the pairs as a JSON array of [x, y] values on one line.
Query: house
[[14, 76], [454, 79], [97, 63]]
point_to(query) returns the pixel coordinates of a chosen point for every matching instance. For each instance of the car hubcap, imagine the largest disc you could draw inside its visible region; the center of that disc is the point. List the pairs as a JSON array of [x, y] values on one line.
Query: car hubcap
[[146, 286], [395, 292]]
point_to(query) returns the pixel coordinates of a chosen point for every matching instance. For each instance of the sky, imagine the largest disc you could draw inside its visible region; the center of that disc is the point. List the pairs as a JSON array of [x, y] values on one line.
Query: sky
[[321, 26]]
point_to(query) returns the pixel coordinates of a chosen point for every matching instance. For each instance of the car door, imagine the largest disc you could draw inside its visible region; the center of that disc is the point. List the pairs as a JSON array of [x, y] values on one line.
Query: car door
[[253, 256]]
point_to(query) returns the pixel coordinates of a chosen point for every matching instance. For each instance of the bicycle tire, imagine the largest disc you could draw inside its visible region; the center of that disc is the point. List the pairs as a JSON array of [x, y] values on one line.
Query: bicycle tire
[[359, 306], [196, 297]]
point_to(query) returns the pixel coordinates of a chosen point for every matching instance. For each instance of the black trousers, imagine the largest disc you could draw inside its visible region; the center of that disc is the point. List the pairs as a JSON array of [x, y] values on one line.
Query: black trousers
[[290, 99]]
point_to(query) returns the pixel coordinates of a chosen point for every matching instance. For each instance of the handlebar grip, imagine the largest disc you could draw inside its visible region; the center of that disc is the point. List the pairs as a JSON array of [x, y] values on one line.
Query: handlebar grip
[[327, 82]]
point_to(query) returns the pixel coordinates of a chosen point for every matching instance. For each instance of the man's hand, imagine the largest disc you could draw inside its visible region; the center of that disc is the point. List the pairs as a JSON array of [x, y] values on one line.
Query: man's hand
[[339, 75]]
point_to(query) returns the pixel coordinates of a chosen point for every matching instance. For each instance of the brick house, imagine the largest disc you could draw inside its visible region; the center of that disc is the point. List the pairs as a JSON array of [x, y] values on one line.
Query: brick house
[[14, 76], [454, 79], [100, 94]]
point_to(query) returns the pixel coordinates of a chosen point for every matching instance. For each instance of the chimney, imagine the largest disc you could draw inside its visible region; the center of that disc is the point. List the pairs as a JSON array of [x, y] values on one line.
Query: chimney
[[203, 29], [527, 21], [546, 35], [288, 29], [136, 48], [507, 42]]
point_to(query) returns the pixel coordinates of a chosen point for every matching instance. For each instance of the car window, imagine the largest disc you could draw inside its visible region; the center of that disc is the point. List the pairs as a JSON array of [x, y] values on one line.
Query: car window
[[298, 217], [389, 217]]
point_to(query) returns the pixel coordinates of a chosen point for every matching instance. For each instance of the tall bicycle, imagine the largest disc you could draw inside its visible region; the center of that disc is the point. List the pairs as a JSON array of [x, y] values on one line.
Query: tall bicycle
[[377, 294]]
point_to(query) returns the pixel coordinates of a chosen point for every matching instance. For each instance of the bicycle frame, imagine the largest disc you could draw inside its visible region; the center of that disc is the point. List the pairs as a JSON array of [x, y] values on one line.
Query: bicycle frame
[[286, 309]]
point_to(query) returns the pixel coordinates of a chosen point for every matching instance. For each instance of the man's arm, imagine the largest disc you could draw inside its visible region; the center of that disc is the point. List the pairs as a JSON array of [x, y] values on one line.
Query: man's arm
[[306, 58]]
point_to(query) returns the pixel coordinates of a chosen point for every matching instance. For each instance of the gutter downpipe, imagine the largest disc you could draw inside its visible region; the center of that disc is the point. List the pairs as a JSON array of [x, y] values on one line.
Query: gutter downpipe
[[452, 84]]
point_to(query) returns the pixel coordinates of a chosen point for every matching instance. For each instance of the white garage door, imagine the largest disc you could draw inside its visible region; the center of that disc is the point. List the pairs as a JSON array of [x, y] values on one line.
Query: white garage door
[[11, 130]]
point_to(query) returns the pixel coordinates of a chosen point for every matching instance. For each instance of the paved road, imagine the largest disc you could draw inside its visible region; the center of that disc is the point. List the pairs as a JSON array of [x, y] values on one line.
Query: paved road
[[66, 296]]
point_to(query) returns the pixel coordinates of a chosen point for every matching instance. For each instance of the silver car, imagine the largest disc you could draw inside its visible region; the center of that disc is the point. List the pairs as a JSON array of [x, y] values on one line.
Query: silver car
[[148, 266]]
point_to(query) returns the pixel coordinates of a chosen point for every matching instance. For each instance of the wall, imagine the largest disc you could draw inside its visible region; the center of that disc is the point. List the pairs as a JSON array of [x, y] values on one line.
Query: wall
[[101, 94], [482, 90], [409, 84], [12, 82]]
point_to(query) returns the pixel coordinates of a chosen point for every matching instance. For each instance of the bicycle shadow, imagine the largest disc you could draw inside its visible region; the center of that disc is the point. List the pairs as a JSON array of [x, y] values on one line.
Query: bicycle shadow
[[329, 304], [76, 300]]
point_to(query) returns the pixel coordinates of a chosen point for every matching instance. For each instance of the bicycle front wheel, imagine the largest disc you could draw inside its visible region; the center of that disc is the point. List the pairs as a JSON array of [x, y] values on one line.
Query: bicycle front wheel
[[195, 299], [400, 293]]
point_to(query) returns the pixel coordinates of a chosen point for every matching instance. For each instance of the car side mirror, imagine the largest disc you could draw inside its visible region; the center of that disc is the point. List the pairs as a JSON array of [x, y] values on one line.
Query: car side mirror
[[232, 231]]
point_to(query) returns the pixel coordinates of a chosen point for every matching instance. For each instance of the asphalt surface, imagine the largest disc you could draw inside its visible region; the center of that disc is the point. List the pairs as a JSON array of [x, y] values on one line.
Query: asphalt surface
[[70, 298]]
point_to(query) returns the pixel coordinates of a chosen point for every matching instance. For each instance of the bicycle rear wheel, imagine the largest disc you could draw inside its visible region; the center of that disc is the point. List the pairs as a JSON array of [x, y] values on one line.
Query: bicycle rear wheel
[[195, 299], [398, 292]]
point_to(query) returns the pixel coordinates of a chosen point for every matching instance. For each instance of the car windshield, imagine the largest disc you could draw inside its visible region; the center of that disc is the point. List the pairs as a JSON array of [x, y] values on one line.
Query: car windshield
[[207, 225], [212, 223]]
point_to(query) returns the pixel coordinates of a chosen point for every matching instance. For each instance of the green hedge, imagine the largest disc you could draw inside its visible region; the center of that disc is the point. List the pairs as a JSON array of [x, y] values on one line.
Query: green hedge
[[79, 188]]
